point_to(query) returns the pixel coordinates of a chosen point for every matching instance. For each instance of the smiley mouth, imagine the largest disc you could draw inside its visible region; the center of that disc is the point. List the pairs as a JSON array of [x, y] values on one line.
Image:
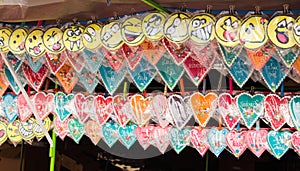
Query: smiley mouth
[[77, 43], [203, 33], [23, 131], [36, 49], [282, 37], [56, 46], [229, 36], [130, 36], [151, 31], [22, 46]]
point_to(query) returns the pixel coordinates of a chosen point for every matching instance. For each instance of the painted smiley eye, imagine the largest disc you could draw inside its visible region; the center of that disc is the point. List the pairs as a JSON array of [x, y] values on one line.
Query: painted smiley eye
[[70, 33], [290, 26], [297, 30], [115, 28], [157, 21], [30, 40], [91, 31], [77, 32], [281, 24], [1, 43], [235, 25], [18, 36], [196, 23], [87, 37], [252, 26], [176, 21], [227, 22]]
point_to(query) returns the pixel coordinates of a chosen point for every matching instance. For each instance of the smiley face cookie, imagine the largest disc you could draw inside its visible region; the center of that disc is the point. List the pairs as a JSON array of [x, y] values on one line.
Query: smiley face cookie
[[16, 41], [72, 38], [131, 31], [280, 31], [296, 31], [201, 28], [53, 40], [152, 25], [111, 36], [176, 27], [5, 33], [227, 30], [91, 36], [253, 32], [34, 43]]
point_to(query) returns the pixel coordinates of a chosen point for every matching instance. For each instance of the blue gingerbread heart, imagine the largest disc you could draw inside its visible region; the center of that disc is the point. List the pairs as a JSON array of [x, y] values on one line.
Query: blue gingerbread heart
[[61, 101], [35, 65], [111, 78], [279, 142], [88, 79], [93, 59], [14, 61], [13, 85], [169, 71], [109, 133], [10, 107], [179, 138], [76, 129], [250, 108], [294, 106], [274, 73], [230, 54], [127, 135], [241, 70], [289, 55], [143, 74], [217, 140]]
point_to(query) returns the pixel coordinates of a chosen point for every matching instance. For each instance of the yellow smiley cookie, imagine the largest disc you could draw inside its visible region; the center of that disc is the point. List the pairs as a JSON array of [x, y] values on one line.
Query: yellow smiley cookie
[[131, 31], [16, 41], [111, 36], [34, 43], [227, 30], [72, 38], [5, 33], [176, 27], [253, 32], [280, 31], [296, 31], [13, 132], [152, 25], [91, 36], [53, 40], [201, 28]]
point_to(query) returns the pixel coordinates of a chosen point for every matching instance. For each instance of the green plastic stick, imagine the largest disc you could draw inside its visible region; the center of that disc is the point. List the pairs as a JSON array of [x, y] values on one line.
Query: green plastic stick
[[52, 151], [155, 5]]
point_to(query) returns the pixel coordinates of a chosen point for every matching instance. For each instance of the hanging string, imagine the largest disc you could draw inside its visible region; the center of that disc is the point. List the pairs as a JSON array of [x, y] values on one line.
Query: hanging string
[[166, 90], [230, 86], [282, 89], [182, 86], [204, 87]]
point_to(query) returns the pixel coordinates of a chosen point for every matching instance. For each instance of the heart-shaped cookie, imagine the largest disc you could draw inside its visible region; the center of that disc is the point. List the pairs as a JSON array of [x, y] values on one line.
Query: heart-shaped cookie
[[44, 104], [143, 135], [76, 129], [289, 55], [23, 108], [133, 55], [13, 85], [61, 127], [260, 56], [143, 74], [228, 110], [88, 79], [3, 83], [103, 108], [199, 140], [257, 141], [250, 108], [217, 140], [67, 77], [294, 106], [179, 52], [93, 131], [179, 138], [118, 105], [203, 106], [110, 133], [296, 141], [205, 55], [35, 79], [55, 61], [61, 101], [93, 59], [276, 110], [35, 65], [127, 135], [178, 107], [10, 107], [159, 108], [230, 54], [236, 141], [84, 106], [279, 142], [160, 138], [141, 109], [76, 59], [115, 58], [153, 50]]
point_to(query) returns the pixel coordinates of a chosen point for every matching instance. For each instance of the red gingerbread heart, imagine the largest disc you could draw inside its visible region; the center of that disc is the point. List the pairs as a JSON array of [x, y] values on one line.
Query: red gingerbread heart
[[35, 79]]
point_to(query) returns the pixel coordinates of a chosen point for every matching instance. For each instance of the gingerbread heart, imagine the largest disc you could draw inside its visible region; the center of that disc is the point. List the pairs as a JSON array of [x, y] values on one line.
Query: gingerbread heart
[[55, 61], [93, 131], [205, 55], [257, 141], [279, 142], [76, 129], [3, 83], [296, 141], [67, 77], [13, 85], [35, 65], [103, 108], [127, 135], [115, 58], [236, 141], [110, 134], [141, 108], [296, 65], [143, 135], [289, 55], [294, 108], [9, 104], [179, 138], [217, 140], [118, 105], [60, 102], [228, 110], [259, 57], [230, 54], [153, 50], [133, 55], [203, 106], [160, 138], [88, 79], [61, 127], [93, 59], [76, 59], [178, 52], [23, 108], [179, 110], [43, 104], [35, 79], [276, 110], [84, 106], [159, 108], [199, 140]]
